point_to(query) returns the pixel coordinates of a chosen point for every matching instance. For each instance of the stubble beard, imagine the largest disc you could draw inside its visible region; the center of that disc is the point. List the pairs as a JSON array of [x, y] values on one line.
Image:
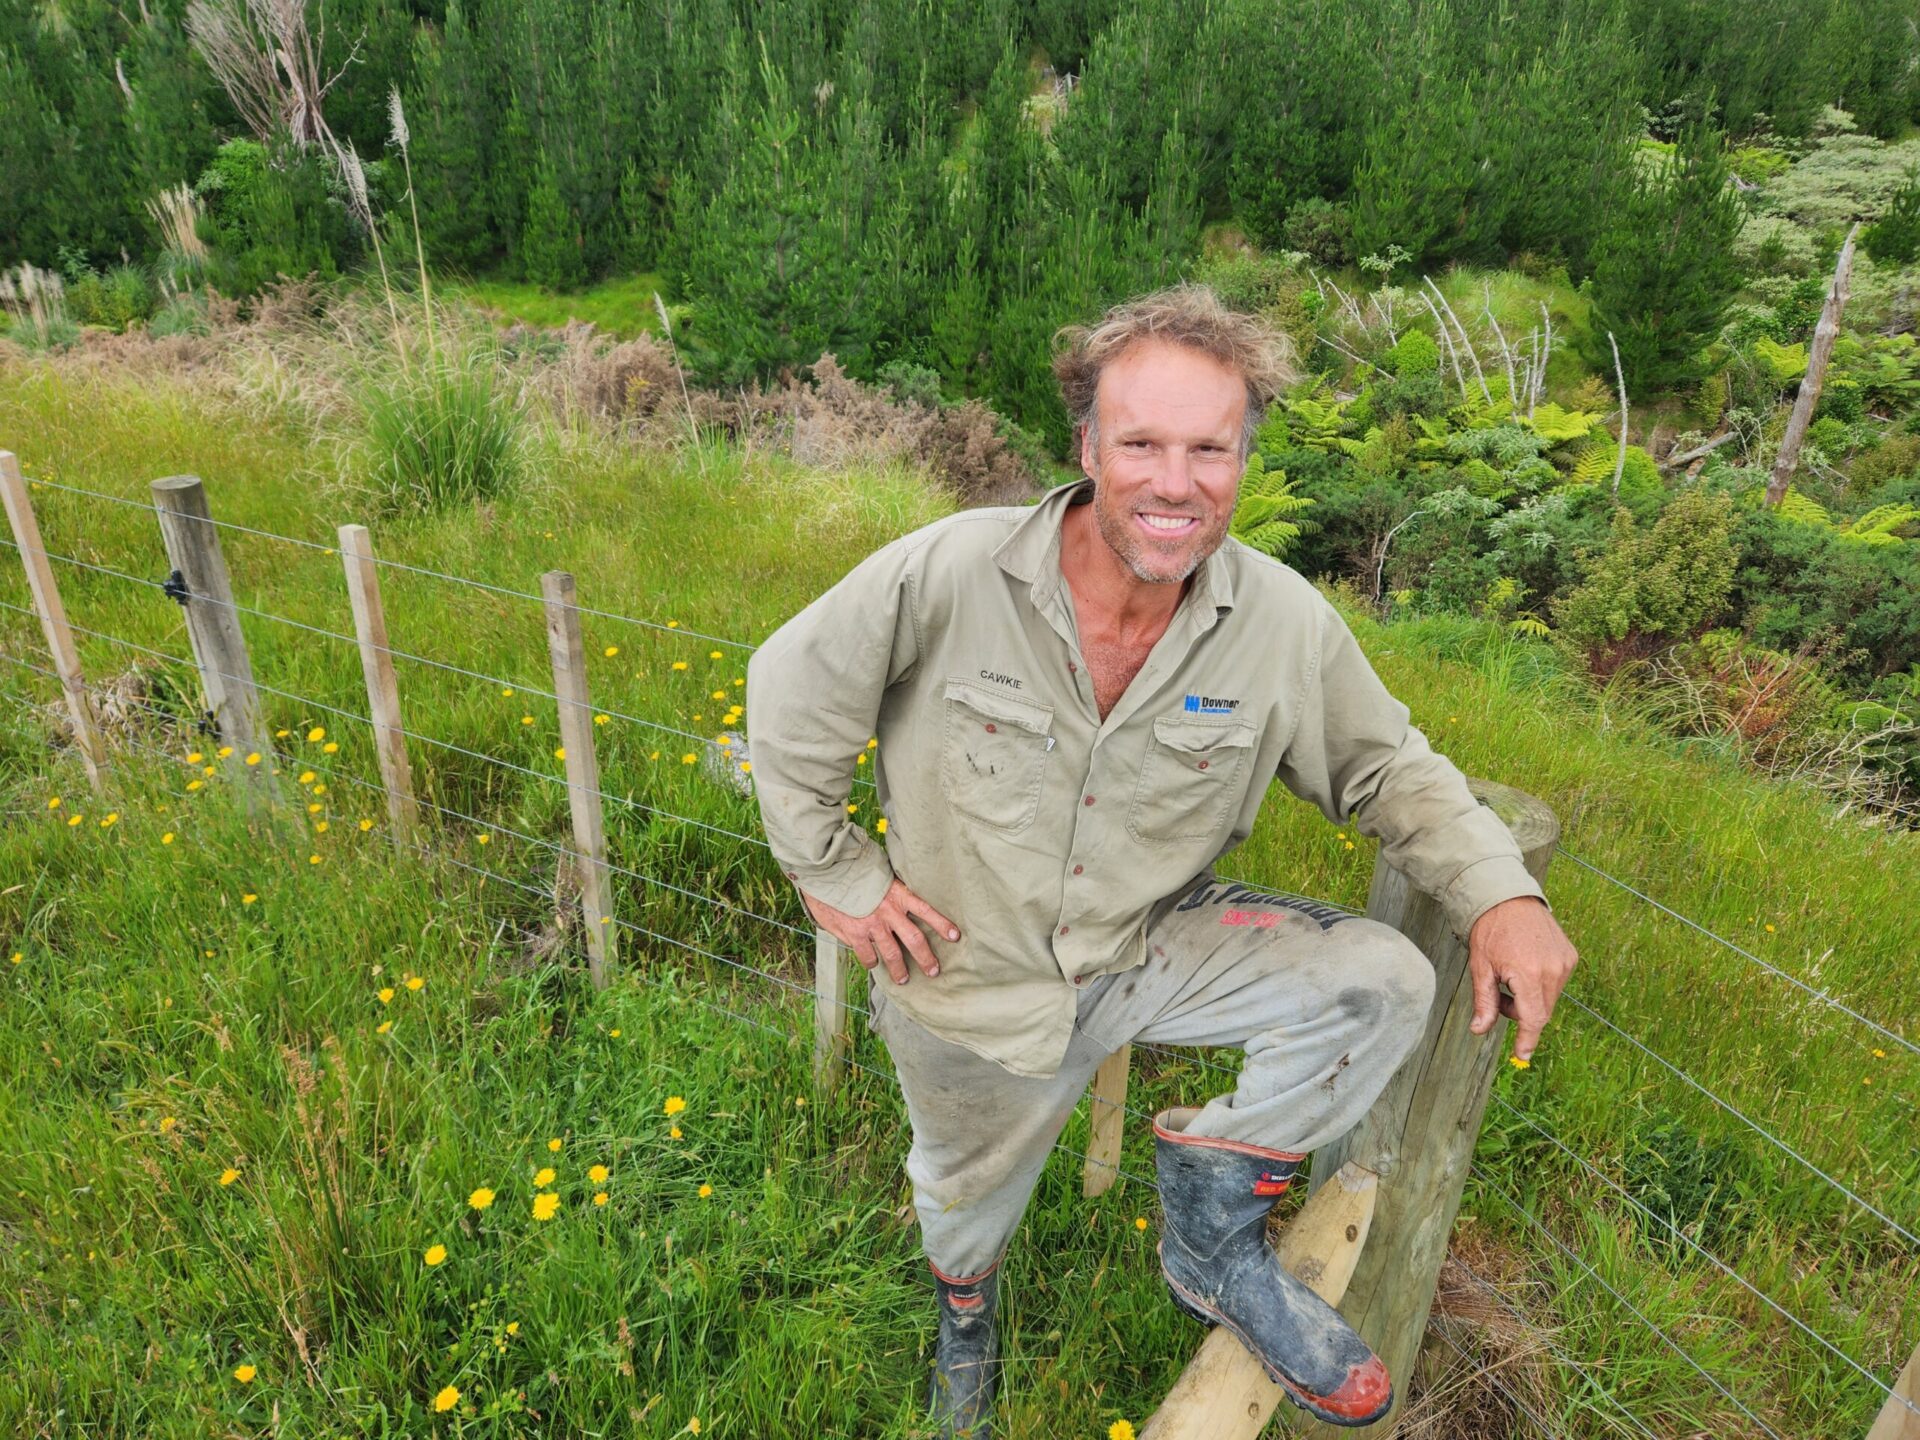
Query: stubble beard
[[1139, 554]]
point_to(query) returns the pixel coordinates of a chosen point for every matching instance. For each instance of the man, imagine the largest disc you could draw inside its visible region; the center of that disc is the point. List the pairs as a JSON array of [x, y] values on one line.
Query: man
[[1079, 707]]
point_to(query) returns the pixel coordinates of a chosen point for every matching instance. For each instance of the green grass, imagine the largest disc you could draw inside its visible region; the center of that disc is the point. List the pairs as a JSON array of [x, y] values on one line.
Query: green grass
[[792, 1300], [622, 306]]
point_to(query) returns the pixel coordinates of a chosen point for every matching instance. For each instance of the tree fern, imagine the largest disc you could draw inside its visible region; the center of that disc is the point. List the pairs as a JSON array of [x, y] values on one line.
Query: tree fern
[[1266, 499], [1876, 527]]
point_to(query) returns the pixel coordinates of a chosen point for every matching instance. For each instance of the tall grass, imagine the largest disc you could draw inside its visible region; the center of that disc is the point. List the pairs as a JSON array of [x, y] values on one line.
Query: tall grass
[[446, 429]]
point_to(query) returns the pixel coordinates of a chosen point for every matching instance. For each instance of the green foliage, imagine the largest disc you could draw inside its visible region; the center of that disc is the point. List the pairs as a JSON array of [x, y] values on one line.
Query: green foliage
[[1415, 353], [1321, 230], [1663, 270], [116, 300], [1261, 516], [1894, 239], [1665, 580], [440, 428], [1785, 363], [550, 246], [273, 210]]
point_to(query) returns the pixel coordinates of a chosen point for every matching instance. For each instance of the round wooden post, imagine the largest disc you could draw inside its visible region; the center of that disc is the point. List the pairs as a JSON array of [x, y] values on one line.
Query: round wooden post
[[383, 690], [213, 627], [53, 617], [1419, 1136], [569, 656]]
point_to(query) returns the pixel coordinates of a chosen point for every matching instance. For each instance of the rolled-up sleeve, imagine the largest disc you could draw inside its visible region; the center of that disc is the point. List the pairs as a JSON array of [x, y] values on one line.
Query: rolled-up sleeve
[[1354, 753], [813, 696]]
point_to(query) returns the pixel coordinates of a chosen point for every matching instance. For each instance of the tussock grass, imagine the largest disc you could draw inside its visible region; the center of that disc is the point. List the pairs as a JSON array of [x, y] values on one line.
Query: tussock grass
[[792, 1299]]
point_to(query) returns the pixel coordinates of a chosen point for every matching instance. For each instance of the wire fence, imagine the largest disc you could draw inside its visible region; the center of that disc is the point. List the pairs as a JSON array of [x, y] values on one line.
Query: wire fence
[[782, 990]]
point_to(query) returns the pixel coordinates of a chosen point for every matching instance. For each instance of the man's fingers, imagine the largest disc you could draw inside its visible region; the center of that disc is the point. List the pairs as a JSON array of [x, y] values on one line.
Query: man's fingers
[[888, 949], [1486, 994], [914, 905], [1529, 1019], [923, 955]]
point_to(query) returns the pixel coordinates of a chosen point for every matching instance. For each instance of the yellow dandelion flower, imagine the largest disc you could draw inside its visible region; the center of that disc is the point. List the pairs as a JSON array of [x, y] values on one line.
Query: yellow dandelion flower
[[880, 826], [725, 742], [654, 756], [383, 1027], [693, 1424], [18, 956], [1348, 845], [560, 752], [281, 734], [1877, 1054], [872, 743], [615, 1032], [674, 1105], [674, 1133], [316, 734], [315, 809], [688, 758], [194, 757], [718, 695], [740, 680], [853, 809], [597, 1174], [1517, 1063], [446, 1399], [513, 1327], [543, 1179], [307, 777], [320, 827], [554, 1144], [1339, 834], [713, 655], [1120, 1430], [386, 994], [435, 1254], [414, 982], [526, 719], [253, 757], [481, 1198], [313, 859], [229, 1175], [600, 1197], [1139, 1222], [73, 820], [679, 664], [248, 899], [483, 839], [611, 651], [167, 1122], [332, 747], [167, 839], [746, 767], [244, 1374], [54, 803], [1453, 719], [706, 1192], [224, 751], [861, 758], [602, 719], [366, 824], [112, 817], [507, 691], [195, 784], [1770, 929], [205, 770], [545, 1206], [698, 718]]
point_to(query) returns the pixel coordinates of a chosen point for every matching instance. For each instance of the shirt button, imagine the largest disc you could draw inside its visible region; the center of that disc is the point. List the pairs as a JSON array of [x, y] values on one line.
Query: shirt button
[[1064, 929], [1079, 869], [1089, 799], [992, 729], [1203, 764], [1079, 979]]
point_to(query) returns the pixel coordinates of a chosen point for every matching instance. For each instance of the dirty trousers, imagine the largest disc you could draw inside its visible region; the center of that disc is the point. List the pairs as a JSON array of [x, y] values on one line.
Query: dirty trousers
[[1325, 1004]]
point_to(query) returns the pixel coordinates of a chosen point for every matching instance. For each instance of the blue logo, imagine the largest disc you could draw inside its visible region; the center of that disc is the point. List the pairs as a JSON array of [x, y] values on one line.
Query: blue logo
[[1208, 705]]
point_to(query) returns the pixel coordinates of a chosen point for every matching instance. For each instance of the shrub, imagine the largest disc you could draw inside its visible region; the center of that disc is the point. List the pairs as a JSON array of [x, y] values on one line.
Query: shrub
[[550, 243], [1414, 354], [115, 300], [1322, 230], [448, 428], [1666, 580], [1895, 238], [273, 210]]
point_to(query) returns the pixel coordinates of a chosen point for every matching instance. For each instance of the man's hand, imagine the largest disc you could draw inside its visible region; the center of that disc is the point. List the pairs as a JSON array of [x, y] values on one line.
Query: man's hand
[[879, 938], [1519, 942]]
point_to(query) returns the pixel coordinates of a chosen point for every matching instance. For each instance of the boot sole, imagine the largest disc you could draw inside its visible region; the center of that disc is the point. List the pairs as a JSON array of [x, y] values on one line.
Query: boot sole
[[1192, 1305]]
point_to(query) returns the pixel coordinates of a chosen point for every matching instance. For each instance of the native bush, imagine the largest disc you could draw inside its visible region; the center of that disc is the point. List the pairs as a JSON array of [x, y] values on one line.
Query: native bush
[[1666, 579], [1894, 239], [1321, 229], [272, 210]]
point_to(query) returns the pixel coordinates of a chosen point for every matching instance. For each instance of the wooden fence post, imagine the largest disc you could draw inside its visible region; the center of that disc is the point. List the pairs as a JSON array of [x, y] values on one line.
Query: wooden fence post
[[53, 617], [832, 1040], [1224, 1394], [1900, 1417], [213, 627], [569, 657], [383, 690], [1420, 1135], [1107, 1122]]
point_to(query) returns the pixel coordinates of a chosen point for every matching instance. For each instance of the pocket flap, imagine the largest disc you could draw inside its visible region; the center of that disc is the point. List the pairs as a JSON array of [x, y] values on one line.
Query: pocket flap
[[1201, 737], [1029, 715]]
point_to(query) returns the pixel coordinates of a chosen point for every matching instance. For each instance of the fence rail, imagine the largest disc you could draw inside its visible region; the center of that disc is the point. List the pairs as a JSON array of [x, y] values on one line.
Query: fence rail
[[228, 671]]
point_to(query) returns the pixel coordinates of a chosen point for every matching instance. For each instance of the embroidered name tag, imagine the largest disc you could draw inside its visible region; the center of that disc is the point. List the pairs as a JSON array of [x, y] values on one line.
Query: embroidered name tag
[[1208, 705]]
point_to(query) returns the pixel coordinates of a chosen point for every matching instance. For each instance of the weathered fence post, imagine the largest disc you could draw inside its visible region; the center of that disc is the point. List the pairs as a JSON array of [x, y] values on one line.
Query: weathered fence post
[[53, 617], [1899, 1418], [383, 690], [1107, 1122], [569, 657], [1420, 1135], [1224, 1394], [832, 1040], [199, 582]]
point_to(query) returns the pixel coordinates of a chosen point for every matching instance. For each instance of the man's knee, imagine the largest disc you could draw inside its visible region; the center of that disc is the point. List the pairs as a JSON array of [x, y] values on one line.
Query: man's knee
[[1390, 977]]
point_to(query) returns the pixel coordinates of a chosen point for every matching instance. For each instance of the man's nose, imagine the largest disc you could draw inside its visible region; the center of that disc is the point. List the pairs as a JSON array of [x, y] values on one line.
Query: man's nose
[[1174, 482]]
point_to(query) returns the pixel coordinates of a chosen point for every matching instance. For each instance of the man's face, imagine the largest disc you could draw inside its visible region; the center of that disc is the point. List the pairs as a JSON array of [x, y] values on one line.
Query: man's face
[[1165, 457]]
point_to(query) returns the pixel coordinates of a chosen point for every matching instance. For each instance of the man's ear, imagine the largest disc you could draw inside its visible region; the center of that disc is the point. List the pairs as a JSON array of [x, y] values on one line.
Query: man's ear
[[1089, 463]]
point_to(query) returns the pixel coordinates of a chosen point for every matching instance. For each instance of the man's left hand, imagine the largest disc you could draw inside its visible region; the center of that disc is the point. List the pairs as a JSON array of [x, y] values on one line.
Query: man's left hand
[[1520, 943]]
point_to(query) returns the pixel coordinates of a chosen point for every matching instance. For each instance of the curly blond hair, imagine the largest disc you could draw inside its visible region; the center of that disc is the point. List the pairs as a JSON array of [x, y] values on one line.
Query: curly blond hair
[[1185, 314]]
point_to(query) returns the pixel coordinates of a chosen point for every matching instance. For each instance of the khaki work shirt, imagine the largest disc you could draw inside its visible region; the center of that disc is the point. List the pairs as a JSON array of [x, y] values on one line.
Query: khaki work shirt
[[1052, 838]]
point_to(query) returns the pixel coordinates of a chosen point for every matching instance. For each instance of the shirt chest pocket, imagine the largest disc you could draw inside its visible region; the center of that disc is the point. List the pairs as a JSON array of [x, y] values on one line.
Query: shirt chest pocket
[[994, 755], [1193, 775]]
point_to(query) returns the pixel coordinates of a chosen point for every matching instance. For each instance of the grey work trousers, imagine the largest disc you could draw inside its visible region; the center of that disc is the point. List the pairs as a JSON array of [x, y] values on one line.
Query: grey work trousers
[[1327, 1006]]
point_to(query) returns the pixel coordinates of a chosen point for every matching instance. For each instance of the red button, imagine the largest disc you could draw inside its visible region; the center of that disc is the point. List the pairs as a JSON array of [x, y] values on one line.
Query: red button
[[1079, 979], [992, 729], [1203, 764], [1079, 869], [1073, 668], [1063, 929], [1089, 799]]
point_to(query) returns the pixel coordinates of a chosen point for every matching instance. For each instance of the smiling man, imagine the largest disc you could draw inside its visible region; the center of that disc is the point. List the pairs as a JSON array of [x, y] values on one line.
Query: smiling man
[[1080, 707]]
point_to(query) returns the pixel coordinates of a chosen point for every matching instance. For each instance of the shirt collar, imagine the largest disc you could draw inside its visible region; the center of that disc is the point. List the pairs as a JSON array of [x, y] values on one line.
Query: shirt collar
[[1032, 552]]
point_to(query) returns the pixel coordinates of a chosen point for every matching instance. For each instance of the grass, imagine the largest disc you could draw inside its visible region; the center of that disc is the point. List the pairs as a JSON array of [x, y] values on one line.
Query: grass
[[159, 1030], [622, 306]]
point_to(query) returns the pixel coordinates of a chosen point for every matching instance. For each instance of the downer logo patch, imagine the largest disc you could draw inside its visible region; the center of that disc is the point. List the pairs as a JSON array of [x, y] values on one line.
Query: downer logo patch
[[1208, 705]]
